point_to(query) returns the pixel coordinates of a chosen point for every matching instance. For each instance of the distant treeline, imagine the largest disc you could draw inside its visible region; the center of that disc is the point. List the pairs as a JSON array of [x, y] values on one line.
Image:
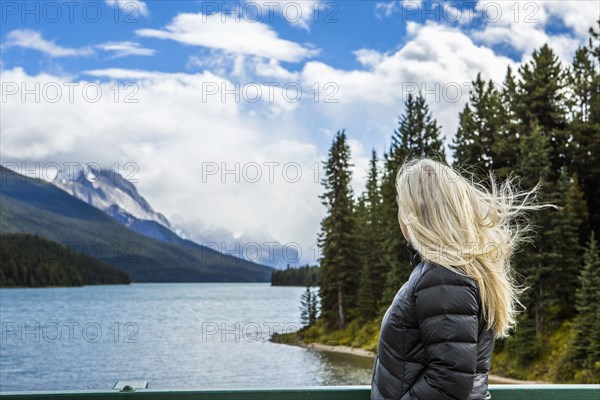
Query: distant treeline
[[28, 260], [302, 276], [541, 123]]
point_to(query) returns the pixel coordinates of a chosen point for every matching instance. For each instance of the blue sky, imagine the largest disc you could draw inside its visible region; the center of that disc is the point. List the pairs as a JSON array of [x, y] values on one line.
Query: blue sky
[[179, 59], [337, 29]]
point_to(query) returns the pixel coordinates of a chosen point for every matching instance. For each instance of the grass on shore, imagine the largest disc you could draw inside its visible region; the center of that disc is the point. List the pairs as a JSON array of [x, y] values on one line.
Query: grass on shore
[[554, 364], [357, 334]]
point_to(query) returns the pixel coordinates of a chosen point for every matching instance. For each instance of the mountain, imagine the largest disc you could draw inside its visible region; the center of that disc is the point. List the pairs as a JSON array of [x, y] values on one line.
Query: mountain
[[107, 190], [103, 188], [33, 206]]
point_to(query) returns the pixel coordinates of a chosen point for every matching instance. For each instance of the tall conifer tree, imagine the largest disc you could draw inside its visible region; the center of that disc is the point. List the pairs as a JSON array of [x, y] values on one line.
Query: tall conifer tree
[[542, 100], [339, 275], [506, 142], [371, 242], [479, 124], [563, 254], [531, 264]]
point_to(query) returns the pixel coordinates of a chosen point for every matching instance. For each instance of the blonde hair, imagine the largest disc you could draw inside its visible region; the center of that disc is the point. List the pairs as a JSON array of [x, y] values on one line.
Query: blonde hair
[[461, 225]]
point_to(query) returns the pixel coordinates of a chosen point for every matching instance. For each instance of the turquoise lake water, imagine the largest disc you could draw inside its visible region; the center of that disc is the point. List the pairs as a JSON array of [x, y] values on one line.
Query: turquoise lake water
[[179, 335]]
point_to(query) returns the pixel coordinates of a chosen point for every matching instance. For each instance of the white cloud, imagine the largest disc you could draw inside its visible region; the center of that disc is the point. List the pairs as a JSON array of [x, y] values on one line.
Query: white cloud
[[172, 133], [273, 69], [124, 49], [130, 7], [297, 13], [520, 26], [578, 15], [217, 61], [412, 3], [368, 57], [525, 26], [230, 34], [386, 9], [439, 60], [134, 74], [242, 67], [30, 39], [33, 40]]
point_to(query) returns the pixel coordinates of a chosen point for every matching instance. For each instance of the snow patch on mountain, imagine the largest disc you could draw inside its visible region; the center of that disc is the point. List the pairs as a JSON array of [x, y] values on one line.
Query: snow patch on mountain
[[108, 191]]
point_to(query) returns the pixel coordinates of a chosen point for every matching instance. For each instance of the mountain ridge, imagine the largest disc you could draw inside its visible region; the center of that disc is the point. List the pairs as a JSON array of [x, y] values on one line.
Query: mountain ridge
[[29, 205]]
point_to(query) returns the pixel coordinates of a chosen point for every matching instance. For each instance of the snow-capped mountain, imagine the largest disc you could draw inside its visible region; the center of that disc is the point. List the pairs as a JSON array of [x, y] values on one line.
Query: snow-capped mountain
[[108, 191]]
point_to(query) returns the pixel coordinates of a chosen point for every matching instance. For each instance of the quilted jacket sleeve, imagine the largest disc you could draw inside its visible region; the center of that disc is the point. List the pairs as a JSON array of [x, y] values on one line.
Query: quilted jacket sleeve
[[447, 315]]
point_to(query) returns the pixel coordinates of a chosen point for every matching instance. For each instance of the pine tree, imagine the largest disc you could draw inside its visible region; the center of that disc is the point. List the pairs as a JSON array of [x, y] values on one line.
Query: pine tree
[[562, 242], [524, 343], [584, 84], [339, 274], [530, 262], [313, 308], [395, 254], [466, 145], [419, 132], [506, 138], [479, 124], [371, 242], [586, 346], [305, 307], [581, 82], [542, 100], [366, 298]]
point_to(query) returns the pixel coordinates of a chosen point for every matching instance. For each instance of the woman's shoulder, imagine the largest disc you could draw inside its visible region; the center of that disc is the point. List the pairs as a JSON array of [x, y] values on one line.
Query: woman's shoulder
[[433, 274], [428, 273], [446, 291]]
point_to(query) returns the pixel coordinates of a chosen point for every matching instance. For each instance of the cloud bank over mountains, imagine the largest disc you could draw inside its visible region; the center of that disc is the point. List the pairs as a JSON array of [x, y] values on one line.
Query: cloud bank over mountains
[[234, 138]]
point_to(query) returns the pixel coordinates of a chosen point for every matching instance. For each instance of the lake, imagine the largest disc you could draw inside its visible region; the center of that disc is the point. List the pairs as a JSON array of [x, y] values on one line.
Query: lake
[[174, 335]]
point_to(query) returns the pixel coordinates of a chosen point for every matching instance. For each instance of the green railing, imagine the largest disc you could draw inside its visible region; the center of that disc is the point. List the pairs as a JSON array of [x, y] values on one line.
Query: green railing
[[499, 392]]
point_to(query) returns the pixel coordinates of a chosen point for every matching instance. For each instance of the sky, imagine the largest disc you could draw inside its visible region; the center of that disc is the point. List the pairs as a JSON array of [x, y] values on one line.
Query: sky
[[221, 112]]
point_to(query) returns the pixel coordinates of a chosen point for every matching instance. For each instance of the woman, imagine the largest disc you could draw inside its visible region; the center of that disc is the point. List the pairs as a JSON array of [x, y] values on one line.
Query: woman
[[437, 336]]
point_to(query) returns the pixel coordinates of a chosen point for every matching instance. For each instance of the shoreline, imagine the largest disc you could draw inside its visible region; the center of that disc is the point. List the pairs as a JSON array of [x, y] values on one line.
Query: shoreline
[[493, 379]]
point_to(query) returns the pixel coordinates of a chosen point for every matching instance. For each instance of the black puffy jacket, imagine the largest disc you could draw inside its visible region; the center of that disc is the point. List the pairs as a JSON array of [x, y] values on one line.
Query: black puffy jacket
[[433, 343]]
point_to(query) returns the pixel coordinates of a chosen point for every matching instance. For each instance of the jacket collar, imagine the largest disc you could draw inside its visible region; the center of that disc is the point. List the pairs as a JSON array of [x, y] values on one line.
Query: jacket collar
[[415, 257]]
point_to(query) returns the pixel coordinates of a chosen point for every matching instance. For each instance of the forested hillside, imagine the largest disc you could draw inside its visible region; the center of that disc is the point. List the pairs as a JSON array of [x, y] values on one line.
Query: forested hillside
[[541, 123], [300, 276], [31, 261]]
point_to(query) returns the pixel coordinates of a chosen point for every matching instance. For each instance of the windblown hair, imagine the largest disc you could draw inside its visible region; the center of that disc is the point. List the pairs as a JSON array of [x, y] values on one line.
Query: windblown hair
[[473, 230]]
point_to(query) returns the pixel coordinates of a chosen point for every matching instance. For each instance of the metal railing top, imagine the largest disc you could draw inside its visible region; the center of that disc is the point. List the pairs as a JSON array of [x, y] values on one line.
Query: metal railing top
[[499, 392]]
